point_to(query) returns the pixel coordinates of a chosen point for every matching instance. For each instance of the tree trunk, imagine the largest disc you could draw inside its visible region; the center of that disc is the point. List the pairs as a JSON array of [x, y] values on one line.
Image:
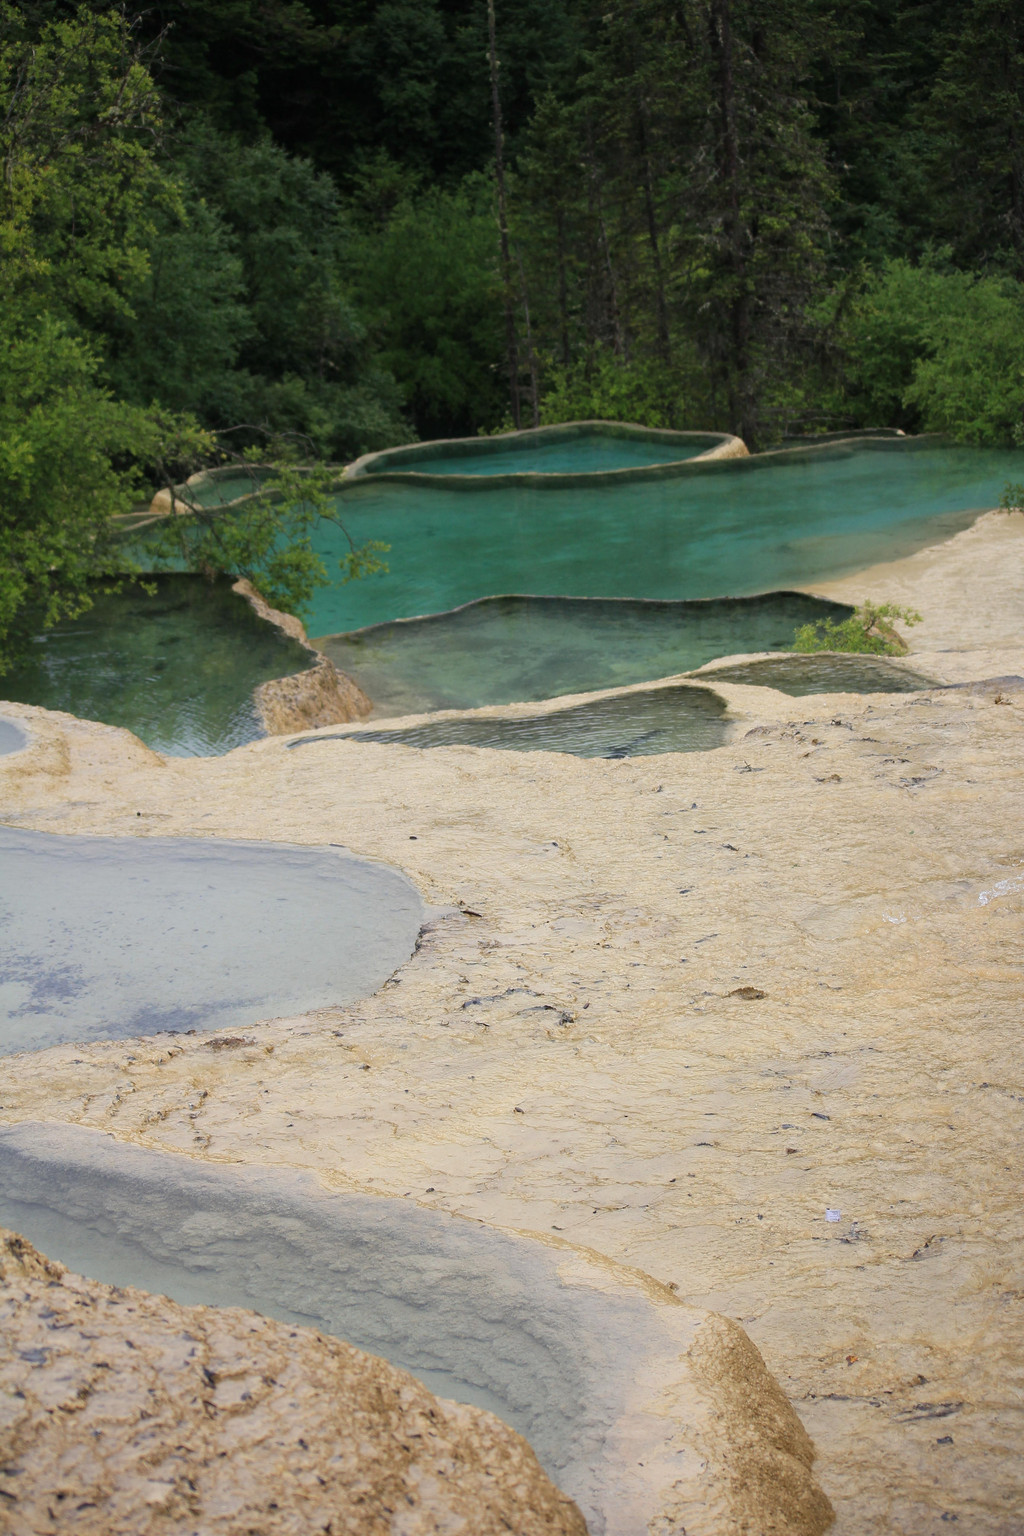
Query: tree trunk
[[661, 307], [738, 307], [511, 344], [530, 354], [563, 293]]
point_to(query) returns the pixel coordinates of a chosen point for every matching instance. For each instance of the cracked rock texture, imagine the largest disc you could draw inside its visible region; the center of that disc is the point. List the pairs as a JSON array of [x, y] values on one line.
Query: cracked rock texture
[[303, 700], [124, 1414], [691, 1003]]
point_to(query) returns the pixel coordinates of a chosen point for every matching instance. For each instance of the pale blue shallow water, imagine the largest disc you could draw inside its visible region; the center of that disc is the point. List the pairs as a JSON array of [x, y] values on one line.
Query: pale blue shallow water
[[12, 737], [729, 528], [106, 937]]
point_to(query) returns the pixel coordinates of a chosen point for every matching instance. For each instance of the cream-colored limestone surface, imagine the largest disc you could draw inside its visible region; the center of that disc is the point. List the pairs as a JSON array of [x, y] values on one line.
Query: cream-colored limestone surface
[[732, 448], [306, 700], [652, 1415], [688, 1005], [322, 695], [969, 591], [124, 1414]]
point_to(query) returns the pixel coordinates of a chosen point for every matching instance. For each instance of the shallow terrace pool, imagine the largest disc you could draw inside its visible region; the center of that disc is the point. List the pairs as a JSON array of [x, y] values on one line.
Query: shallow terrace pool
[[733, 527], [504, 650], [576, 448], [12, 737], [604, 1372], [682, 718], [828, 672], [107, 937]]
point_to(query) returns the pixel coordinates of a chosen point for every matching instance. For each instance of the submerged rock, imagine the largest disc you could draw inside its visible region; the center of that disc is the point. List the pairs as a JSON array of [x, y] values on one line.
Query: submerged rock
[[127, 1413]]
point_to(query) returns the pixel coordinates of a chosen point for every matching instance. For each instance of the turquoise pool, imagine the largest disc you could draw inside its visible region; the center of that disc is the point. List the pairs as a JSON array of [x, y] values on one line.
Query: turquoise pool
[[505, 650], [727, 527], [577, 448]]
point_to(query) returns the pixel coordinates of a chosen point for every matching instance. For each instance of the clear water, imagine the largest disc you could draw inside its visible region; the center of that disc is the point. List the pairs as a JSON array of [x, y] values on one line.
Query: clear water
[[676, 719], [506, 650], [178, 668], [12, 737], [826, 673], [583, 454], [103, 938], [732, 527]]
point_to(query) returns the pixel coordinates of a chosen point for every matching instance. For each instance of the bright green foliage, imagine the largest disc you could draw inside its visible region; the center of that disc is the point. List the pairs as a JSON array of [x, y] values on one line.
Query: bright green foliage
[[970, 384], [1012, 499], [69, 456], [934, 349], [81, 185], [113, 273], [644, 390], [868, 631], [180, 341], [77, 194], [268, 539]]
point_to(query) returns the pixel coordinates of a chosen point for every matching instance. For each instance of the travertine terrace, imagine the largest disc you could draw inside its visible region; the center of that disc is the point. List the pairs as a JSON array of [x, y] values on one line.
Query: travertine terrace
[[679, 1007], [143, 1418]]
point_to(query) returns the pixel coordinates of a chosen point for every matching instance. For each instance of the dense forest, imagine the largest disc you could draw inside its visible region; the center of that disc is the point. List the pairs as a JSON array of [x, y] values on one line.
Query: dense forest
[[340, 225]]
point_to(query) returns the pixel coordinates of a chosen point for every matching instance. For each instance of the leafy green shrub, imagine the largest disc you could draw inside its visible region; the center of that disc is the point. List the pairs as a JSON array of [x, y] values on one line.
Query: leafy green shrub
[[868, 631], [427, 282], [1012, 499], [928, 348], [79, 192], [268, 536], [645, 391]]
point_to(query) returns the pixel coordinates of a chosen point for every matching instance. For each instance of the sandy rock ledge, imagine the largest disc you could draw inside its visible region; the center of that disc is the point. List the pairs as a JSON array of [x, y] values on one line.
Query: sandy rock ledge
[[304, 700], [126, 1413]]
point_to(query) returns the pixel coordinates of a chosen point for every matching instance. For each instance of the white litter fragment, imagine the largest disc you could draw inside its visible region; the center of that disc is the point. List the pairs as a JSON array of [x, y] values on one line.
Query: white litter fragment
[[831, 1215], [1001, 888]]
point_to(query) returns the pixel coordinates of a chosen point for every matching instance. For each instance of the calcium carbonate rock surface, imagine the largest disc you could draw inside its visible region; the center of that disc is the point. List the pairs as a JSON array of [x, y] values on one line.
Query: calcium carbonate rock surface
[[684, 1007], [304, 700], [123, 1414]]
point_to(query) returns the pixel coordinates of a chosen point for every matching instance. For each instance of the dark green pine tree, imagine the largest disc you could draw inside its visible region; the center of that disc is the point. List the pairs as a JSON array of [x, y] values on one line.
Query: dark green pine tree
[[975, 120], [684, 177]]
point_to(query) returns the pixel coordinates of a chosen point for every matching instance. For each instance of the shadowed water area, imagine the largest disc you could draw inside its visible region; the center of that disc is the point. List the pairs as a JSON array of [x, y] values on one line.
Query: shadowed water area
[[677, 719], [826, 673], [177, 667], [103, 938], [737, 527], [506, 650]]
